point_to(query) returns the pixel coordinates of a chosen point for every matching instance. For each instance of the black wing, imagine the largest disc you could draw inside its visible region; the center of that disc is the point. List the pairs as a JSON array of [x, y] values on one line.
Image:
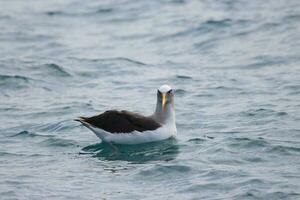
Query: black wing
[[114, 121]]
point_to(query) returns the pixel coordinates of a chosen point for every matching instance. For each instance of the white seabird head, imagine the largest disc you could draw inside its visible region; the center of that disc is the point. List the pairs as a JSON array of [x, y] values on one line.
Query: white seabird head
[[165, 112], [165, 96]]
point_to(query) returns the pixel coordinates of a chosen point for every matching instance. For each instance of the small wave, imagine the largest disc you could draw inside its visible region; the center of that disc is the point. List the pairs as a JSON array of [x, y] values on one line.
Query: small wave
[[286, 150], [248, 143], [197, 140], [115, 66], [7, 77], [57, 142], [183, 77], [104, 10], [52, 13], [205, 45], [262, 194], [226, 88], [164, 170], [98, 11], [204, 95], [262, 112], [177, 1], [113, 59], [54, 127], [205, 27], [21, 133], [218, 22], [14, 81], [180, 91], [265, 61], [8, 154], [29, 134], [56, 70]]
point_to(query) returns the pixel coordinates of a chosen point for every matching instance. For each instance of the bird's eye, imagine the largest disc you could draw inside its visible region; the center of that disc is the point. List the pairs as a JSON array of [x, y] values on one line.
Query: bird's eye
[[170, 92]]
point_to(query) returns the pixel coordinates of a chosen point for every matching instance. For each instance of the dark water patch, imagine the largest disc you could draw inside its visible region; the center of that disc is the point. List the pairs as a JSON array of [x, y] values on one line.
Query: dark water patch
[[5, 17], [104, 10], [53, 13], [164, 150], [281, 113], [179, 2], [253, 159], [183, 77]]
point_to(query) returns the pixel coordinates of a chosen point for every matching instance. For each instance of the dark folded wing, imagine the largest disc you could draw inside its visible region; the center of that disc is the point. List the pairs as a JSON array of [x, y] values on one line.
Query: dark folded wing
[[121, 122]]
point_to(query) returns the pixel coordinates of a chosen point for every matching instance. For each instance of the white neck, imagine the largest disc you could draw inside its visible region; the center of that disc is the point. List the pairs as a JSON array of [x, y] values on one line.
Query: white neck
[[165, 117]]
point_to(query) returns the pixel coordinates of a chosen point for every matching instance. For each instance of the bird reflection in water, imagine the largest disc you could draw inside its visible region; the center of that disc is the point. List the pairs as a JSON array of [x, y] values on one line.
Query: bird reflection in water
[[165, 150]]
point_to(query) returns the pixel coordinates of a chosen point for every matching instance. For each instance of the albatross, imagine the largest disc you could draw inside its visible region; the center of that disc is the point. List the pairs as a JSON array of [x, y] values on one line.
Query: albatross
[[125, 127]]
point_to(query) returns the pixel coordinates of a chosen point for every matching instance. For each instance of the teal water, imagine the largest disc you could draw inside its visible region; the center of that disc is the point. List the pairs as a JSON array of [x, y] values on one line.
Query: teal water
[[235, 68]]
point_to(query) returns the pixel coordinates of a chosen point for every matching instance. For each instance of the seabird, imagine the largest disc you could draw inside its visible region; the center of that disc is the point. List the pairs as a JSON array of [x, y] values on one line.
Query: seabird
[[125, 127]]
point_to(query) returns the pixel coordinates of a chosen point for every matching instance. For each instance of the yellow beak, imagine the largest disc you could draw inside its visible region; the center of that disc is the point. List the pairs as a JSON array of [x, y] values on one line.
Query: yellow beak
[[163, 101]]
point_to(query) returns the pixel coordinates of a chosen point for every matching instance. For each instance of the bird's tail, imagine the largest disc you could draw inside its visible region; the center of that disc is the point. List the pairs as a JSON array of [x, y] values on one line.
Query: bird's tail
[[101, 134]]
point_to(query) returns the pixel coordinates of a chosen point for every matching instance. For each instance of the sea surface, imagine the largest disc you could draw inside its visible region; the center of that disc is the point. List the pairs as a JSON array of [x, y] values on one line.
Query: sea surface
[[235, 66]]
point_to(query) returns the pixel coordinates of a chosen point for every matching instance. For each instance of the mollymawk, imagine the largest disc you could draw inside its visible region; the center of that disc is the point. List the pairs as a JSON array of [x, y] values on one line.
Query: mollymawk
[[125, 127]]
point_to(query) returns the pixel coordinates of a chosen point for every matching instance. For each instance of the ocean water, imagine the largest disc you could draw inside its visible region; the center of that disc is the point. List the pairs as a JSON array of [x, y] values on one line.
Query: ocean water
[[235, 65]]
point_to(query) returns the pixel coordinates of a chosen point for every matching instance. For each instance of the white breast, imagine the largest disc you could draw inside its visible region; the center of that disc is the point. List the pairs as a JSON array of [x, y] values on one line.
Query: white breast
[[162, 133]]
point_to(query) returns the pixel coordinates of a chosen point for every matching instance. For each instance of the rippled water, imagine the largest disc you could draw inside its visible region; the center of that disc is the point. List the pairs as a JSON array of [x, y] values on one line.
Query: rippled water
[[235, 67]]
